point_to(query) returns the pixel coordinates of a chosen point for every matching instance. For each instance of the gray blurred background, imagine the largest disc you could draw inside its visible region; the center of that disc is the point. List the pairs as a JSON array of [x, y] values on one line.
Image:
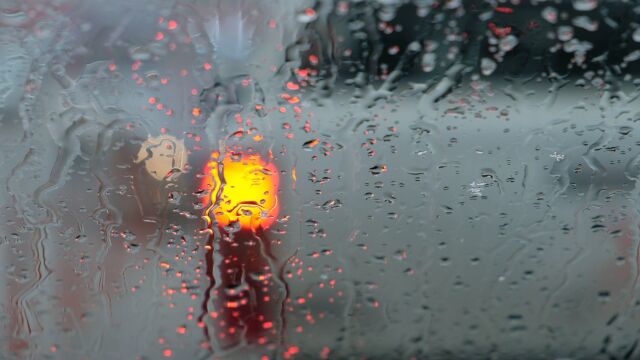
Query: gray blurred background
[[459, 179]]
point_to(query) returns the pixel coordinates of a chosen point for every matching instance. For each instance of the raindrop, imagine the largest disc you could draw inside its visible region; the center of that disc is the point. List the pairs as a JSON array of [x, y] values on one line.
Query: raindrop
[[585, 5], [508, 42], [550, 14], [487, 66], [428, 62], [565, 33], [585, 22]]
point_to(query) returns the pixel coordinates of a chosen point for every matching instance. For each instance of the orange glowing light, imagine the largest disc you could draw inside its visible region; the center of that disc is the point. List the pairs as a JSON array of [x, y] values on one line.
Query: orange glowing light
[[244, 189]]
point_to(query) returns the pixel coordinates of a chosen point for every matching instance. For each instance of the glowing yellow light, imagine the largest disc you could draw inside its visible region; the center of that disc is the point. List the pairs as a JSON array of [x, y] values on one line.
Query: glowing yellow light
[[243, 190]]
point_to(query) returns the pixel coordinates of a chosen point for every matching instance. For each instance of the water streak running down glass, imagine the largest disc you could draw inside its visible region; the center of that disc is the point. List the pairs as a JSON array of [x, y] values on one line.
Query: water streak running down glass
[[320, 179]]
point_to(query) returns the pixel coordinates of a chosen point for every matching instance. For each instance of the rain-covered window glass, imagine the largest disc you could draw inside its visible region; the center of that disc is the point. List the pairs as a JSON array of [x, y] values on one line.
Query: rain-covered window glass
[[319, 179]]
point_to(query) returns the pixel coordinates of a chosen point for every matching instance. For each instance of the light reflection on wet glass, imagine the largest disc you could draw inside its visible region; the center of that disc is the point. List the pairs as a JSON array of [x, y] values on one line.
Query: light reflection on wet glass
[[319, 179]]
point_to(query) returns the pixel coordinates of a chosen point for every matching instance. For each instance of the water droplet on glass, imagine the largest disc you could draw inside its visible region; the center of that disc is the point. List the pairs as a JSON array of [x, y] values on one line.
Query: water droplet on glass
[[487, 66], [585, 5]]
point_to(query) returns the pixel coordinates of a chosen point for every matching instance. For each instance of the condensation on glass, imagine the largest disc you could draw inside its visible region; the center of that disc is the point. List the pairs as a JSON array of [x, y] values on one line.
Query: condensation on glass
[[330, 179]]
